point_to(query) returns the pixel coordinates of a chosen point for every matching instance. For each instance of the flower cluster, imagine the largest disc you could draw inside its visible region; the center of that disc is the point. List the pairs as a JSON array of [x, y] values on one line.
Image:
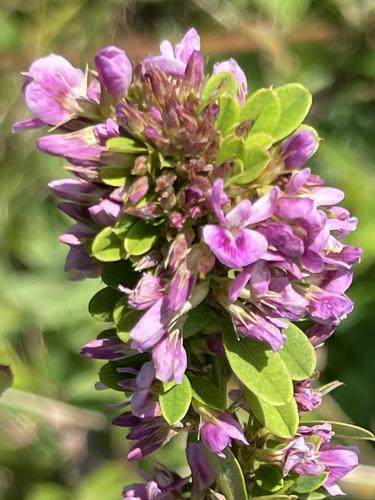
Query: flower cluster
[[222, 256]]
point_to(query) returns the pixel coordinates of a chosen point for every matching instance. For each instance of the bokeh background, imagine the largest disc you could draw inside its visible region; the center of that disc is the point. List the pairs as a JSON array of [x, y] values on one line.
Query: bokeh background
[[56, 441]]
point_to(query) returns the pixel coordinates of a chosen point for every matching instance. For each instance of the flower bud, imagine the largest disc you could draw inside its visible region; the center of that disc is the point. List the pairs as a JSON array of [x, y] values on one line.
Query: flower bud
[[115, 70]]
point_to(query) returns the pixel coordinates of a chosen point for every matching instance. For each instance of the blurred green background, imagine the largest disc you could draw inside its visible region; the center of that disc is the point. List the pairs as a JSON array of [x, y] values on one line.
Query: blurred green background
[[56, 442]]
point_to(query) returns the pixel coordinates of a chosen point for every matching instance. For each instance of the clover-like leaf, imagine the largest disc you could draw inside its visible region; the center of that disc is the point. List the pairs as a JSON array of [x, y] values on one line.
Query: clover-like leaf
[[262, 371], [280, 420], [106, 247], [175, 402]]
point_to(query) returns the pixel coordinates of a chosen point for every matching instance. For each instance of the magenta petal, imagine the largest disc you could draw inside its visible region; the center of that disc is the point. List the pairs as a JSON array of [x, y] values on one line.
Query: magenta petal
[[27, 125], [328, 196], [189, 43], [297, 181], [238, 284], [264, 207], [294, 208], [235, 251], [240, 215], [218, 198], [151, 327], [170, 360], [165, 64]]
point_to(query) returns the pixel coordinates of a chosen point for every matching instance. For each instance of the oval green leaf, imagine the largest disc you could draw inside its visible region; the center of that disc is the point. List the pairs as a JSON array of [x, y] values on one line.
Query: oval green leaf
[[262, 371], [255, 162], [260, 140], [263, 108], [229, 476], [106, 247], [228, 114], [207, 393], [140, 238], [269, 478], [175, 403], [216, 85], [125, 319], [307, 484], [295, 102], [113, 176], [197, 319], [298, 353], [118, 273], [282, 420], [103, 303], [125, 145]]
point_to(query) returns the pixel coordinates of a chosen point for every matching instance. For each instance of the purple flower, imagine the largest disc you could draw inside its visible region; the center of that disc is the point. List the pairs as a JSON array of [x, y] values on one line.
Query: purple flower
[[152, 326], [201, 472], [76, 190], [114, 69], [144, 403], [148, 491], [327, 307], [52, 86], [80, 148], [106, 212], [106, 348], [309, 457], [150, 434], [231, 66], [232, 242], [338, 461], [149, 290], [251, 324], [306, 398], [174, 60], [298, 148], [218, 429], [169, 357]]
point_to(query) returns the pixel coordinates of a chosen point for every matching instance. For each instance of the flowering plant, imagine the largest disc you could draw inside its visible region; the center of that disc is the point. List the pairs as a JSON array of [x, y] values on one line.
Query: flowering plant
[[222, 259]]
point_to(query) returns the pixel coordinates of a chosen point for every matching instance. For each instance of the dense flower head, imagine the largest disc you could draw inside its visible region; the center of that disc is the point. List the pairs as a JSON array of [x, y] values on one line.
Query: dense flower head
[[222, 253]]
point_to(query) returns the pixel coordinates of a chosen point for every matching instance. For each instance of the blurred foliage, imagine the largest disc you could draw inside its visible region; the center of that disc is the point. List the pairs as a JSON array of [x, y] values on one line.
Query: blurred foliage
[[55, 438]]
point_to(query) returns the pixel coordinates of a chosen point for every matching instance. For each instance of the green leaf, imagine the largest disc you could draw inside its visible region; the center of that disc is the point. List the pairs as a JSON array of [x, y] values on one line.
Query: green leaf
[[6, 378], [118, 273], [207, 393], [295, 102], [230, 148], [228, 113], [102, 304], [113, 176], [263, 108], [315, 495], [140, 238], [280, 420], [197, 319], [259, 140], [307, 484], [275, 497], [343, 430], [269, 478], [262, 371], [255, 162], [218, 84], [175, 403], [229, 476], [298, 354], [106, 247], [125, 319], [109, 376], [125, 145], [331, 386]]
